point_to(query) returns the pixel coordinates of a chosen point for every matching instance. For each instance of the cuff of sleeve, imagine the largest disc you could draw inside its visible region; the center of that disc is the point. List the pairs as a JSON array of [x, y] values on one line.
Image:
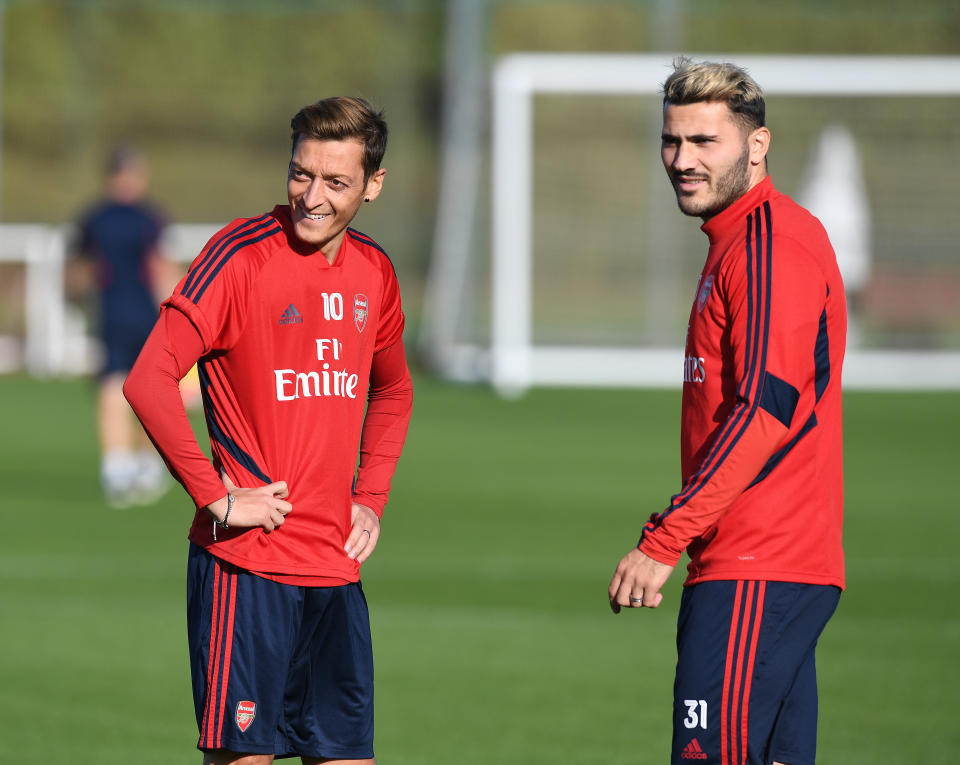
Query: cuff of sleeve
[[649, 547], [372, 502], [208, 497], [189, 309]]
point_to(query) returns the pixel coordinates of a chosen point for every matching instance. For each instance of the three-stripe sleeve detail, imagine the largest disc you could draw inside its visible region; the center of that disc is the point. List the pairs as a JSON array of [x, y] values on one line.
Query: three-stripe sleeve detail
[[759, 263], [216, 248], [224, 248], [364, 239]]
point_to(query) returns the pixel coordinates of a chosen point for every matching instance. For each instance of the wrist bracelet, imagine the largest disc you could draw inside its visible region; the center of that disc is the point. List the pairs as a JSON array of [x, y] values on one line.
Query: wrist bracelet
[[223, 524], [230, 500]]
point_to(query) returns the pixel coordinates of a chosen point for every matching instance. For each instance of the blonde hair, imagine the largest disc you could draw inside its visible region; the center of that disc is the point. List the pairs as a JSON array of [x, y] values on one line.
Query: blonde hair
[[694, 82]]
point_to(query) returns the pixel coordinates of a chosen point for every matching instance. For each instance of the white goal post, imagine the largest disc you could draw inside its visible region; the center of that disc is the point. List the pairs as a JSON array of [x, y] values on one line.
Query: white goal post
[[513, 361]]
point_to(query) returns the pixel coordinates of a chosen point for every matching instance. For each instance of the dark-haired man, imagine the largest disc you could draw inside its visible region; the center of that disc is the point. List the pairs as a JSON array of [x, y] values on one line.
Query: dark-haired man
[[296, 322], [760, 510]]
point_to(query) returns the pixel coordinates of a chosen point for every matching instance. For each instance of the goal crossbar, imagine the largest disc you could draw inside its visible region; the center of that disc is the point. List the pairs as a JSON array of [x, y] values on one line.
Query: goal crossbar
[[514, 362]]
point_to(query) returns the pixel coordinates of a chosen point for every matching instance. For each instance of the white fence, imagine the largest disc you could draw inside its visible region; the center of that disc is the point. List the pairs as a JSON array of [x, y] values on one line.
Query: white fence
[[55, 340]]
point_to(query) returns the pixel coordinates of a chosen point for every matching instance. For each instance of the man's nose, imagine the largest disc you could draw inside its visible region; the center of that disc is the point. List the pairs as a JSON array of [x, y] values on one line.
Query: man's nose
[[683, 156], [315, 195]]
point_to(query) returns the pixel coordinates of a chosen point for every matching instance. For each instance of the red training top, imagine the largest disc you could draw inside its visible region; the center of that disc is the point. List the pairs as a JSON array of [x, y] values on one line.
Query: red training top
[[761, 439], [289, 346]]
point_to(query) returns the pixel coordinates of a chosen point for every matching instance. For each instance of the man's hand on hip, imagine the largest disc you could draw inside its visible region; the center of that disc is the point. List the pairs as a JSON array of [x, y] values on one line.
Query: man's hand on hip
[[263, 506]]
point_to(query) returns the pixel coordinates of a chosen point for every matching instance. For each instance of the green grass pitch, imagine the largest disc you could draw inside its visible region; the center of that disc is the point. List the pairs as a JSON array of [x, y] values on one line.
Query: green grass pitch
[[492, 635]]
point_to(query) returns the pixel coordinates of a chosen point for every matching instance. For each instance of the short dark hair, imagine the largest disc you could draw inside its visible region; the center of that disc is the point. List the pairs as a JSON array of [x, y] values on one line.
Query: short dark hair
[[123, 156], [694, 82], [342, 118]]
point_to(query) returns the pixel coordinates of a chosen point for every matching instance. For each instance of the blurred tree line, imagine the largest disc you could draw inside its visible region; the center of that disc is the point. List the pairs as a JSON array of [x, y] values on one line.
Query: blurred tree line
[[207, 87]]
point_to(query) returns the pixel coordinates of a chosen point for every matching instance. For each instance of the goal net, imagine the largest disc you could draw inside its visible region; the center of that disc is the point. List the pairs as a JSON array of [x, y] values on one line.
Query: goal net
[[591, 268]]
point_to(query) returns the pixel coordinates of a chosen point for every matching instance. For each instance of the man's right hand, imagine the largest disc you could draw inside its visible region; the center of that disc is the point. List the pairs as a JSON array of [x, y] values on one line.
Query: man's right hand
[[263, 506], [637, 582]]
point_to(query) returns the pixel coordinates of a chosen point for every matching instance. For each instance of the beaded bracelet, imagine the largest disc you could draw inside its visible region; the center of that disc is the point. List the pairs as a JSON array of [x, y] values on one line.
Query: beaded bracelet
[[223, 524]]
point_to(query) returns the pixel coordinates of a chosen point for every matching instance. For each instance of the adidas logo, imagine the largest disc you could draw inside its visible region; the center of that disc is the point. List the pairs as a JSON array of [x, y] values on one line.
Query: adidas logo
[[692, 751], [291, 316]]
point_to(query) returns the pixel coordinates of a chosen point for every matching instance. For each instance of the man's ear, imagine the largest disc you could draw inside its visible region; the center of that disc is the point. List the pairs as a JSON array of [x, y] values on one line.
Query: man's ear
[[374, 185], [759, 144]]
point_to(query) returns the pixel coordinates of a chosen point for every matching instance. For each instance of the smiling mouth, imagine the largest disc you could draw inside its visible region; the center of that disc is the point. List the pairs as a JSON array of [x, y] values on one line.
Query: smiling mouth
[[310, 216], [687, 181]]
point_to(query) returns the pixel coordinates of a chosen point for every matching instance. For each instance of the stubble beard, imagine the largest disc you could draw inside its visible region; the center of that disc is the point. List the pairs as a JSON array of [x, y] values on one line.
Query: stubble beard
[[728, 188]]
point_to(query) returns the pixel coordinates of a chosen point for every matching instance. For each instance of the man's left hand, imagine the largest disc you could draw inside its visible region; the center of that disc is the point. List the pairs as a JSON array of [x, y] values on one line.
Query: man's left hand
[[364, 533]]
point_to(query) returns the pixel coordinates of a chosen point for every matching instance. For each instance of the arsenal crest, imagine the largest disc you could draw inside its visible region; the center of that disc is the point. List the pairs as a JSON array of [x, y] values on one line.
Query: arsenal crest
[[246, 711], [704, 292], [360, 311]]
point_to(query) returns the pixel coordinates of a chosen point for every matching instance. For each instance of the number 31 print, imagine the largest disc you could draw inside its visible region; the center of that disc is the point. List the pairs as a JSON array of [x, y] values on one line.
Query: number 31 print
[[696, 713]]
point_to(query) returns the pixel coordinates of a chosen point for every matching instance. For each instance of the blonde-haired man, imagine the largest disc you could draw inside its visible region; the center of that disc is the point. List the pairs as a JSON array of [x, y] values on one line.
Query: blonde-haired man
[[760, 509]]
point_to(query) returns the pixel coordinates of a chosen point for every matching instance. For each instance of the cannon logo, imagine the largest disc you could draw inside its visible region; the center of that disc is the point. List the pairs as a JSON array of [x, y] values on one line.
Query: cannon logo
[[704, 293], [246, 711], [360, 311]]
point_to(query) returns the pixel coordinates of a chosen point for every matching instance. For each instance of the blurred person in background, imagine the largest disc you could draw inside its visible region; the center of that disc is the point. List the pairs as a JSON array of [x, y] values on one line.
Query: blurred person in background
[[296, 321], [760, 509], [120, 257]]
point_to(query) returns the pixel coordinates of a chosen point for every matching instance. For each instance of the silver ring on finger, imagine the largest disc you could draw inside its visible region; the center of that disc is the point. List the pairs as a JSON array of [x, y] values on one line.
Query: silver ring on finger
[[637, 601], [366, 530]]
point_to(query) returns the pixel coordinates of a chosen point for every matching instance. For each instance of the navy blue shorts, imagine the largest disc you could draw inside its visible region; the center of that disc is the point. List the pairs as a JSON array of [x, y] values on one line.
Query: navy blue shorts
[[746, 683], [122, 343], [278, 669]]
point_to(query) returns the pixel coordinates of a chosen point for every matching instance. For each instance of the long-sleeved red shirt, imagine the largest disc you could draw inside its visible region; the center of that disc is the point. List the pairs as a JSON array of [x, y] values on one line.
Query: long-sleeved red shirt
[[290, 351], [761, 430]]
